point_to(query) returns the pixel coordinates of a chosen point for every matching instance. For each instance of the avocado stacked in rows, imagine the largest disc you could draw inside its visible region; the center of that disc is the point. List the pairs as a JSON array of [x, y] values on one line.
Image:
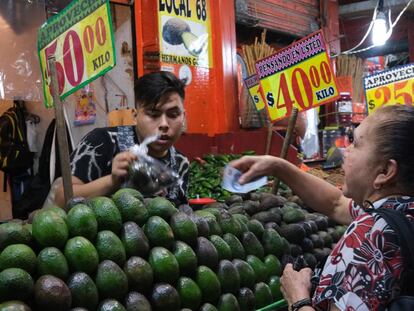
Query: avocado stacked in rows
[[308, 235], [127, 253]]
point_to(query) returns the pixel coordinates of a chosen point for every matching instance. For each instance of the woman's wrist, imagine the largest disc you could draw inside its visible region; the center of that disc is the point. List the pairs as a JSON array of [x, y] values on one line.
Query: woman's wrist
[[301, 304]]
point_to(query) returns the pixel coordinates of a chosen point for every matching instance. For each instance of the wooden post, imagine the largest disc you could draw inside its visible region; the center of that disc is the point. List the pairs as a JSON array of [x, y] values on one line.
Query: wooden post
[[286, 143], [61, 133]]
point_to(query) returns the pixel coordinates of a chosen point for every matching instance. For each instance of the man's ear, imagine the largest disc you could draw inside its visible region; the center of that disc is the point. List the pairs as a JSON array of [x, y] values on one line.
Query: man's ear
[[388, 175]]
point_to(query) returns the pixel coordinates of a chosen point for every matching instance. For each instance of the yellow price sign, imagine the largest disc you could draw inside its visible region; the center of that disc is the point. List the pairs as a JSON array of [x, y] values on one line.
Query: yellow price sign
[[299, 76], [390, 87], [253, 85], [81, 40]]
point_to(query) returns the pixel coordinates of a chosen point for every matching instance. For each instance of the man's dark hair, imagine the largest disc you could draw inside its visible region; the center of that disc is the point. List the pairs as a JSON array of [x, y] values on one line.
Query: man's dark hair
[[150, 88]]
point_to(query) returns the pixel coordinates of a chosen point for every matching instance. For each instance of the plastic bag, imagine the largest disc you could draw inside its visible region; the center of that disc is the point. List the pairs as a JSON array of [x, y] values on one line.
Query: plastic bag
[[310, 142], [149, 175]]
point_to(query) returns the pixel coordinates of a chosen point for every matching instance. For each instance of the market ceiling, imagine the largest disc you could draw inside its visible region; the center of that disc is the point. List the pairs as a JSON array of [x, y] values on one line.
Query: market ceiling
[[355, 17]]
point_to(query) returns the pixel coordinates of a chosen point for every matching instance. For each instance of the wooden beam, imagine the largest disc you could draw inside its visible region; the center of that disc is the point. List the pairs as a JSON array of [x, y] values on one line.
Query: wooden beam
[[369, 6]]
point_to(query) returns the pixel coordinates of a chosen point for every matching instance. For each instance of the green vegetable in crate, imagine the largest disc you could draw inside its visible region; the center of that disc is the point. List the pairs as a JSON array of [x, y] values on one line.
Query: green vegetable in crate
[[186, 258], [293, 215], [131, 208], [49, 229], [158, 232], [51, 293], [206, 253], [246, 299], [110, 280], [15, 283], [83, 290], [106, 213], [228, 302], [164, 265], [51, 261], [14, 233], [165, 298], [137, 302], [190, 293], [81, 221], [18, 256], [139, 273], [209, 284], [134, 240], [184, 228], [81, 255], [228, 276], [110, 247]]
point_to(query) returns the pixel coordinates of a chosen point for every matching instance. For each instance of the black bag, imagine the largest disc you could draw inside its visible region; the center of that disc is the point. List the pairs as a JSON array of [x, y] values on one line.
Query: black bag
[[15, 155], [405, 231]]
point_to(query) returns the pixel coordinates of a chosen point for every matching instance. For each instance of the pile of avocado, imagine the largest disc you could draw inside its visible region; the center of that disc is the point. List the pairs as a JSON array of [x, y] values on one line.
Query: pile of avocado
[[130, 253]]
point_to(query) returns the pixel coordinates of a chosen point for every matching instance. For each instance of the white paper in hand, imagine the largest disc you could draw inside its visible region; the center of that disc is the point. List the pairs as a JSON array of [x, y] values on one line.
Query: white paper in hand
[[231, 181]]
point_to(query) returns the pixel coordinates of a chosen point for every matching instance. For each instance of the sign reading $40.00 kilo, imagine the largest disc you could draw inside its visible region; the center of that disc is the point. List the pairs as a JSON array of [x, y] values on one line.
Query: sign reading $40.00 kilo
[[81, 40], [300, 75]]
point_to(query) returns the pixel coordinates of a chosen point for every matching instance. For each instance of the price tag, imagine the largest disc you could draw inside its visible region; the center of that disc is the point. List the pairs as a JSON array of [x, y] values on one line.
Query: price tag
[[253, 85], [390, 87], [299, 76], [81, 39]]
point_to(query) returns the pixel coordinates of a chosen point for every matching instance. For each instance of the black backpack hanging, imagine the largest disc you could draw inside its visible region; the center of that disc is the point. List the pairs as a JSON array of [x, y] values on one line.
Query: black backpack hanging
[[15, 155], [405, 231]]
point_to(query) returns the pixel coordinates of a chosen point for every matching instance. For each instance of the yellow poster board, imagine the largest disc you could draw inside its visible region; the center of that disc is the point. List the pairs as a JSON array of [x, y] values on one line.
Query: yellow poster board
[[390, 87], [253, 85], [299, 75], [81, 40], [185, 32]]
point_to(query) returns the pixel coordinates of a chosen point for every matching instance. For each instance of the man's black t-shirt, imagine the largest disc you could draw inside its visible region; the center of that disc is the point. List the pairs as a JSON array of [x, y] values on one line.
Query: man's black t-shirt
[[93, 157]]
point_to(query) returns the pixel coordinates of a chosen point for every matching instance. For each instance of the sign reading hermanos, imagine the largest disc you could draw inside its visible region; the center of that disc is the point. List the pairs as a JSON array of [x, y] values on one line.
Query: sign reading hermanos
[[390, 87], [299, 75], [185, 32], [82, 41]]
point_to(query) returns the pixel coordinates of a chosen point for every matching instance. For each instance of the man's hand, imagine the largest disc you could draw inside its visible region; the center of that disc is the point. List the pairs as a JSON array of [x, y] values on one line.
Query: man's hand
[[295, 285], [120, 166], [254, 166]]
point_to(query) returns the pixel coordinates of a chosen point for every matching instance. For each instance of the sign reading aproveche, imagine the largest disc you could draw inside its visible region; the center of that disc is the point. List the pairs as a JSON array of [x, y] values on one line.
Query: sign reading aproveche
[[81, 40], [185, 32], [299, 75], [253, 85], [390, 87]]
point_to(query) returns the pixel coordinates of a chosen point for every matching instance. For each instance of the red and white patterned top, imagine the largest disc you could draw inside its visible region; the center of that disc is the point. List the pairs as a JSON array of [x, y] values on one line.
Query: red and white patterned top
[[363, 269]]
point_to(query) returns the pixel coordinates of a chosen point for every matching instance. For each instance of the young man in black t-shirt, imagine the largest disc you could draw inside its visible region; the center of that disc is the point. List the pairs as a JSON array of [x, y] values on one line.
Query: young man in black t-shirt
[[100, 162]]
